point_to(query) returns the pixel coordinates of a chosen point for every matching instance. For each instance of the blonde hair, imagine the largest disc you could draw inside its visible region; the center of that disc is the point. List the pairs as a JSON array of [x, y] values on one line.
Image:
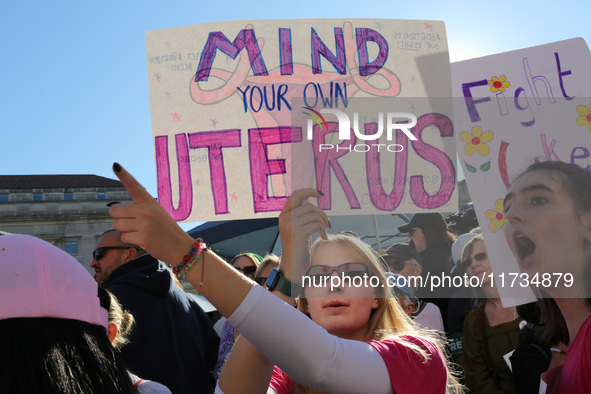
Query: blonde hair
[[388, 320], [270, 259], [122, 319]]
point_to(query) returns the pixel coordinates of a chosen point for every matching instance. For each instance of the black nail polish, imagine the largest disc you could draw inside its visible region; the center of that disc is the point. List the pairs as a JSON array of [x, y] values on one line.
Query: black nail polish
[[116, 167], [112, 203], [319, 192]]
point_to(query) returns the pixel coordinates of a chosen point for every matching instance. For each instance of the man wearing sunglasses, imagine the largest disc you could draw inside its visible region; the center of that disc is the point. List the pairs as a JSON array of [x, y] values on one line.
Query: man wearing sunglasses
[[403, 259], [110, 253], [145, 287]]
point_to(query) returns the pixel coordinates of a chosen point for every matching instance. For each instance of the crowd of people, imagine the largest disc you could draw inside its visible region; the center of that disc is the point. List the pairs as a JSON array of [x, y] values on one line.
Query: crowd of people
[[134, 329]]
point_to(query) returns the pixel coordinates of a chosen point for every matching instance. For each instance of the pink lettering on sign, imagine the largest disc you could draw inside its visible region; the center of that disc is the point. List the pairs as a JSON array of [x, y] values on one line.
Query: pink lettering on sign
[[379, 198], [261, 166], [164, 182], [214, 141], [549, 150], [439, 159], [325, 160]]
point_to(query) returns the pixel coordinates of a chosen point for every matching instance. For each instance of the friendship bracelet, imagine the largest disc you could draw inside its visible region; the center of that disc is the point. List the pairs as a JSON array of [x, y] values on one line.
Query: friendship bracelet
[[190, 259], [176, 270]]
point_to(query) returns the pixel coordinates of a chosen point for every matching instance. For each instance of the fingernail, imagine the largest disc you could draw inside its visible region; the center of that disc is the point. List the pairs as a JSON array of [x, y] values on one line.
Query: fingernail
[[319, 192], [112, 203], [116, 167]]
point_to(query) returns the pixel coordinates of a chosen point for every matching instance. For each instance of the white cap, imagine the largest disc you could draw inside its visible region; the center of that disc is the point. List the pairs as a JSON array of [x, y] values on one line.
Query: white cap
[[458, 246]]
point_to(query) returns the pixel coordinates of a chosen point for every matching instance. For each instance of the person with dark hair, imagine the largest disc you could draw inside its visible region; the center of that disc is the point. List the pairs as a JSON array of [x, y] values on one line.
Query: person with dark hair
[[182, 359], [53, 329], [548, 208], [433, 240]]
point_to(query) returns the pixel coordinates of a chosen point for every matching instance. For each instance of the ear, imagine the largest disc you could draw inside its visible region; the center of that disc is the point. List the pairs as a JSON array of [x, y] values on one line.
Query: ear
[[130, 254], [419, 269], [375, 303], [112, 331]]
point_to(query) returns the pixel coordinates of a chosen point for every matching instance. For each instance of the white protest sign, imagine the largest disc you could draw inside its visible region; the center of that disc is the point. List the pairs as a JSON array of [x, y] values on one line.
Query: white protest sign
[[516, 108], [231, 101]]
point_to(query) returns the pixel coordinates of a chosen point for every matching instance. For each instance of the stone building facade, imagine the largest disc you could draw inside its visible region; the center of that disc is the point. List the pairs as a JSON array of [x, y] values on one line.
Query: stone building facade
[[68, 211]]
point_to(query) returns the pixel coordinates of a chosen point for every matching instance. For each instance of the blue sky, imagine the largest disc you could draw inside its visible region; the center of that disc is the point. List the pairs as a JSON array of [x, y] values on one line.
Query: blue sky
[[74, 75]]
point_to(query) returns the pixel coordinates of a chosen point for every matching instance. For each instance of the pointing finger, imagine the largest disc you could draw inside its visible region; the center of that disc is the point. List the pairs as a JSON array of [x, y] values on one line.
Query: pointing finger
[[137, 192]]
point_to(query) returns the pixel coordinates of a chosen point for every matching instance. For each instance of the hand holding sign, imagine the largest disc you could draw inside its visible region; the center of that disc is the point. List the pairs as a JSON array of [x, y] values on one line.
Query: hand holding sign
[[298, 220]]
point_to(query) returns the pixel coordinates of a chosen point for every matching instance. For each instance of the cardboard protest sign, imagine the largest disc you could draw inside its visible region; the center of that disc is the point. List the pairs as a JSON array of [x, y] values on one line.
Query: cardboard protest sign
[[516, 108], [238, 121]]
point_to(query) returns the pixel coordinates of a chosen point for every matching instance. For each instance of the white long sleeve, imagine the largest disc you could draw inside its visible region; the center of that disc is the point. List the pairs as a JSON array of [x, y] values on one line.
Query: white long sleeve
[[307, 352]]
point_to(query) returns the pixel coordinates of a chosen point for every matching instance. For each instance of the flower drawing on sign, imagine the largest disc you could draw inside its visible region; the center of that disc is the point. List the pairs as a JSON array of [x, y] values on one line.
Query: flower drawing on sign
[[498, 84], [476, 141], [496, 216], [585, 118]]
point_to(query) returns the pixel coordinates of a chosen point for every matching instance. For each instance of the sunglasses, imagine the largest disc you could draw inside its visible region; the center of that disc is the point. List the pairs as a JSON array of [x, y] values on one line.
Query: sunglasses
[[99, 253], [396, 264], [347, 270], [261, 280], [248, 270], [478, 257], [412, 231]]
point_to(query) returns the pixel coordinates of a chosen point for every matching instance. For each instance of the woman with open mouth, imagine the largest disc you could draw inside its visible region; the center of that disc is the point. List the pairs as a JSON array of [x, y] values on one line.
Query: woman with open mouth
[[548, 208], [356, 339]]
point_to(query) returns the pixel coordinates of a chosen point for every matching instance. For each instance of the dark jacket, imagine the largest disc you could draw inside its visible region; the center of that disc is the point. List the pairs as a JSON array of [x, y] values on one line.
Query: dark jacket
[[436, 262], [173, 341]]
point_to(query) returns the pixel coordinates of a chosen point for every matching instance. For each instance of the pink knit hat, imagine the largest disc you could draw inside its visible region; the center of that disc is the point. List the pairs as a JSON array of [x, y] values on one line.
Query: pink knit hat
[[39, 280]]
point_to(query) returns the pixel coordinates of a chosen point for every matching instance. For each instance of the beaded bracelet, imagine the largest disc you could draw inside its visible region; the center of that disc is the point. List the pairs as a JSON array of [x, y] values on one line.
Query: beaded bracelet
[[190, 259]]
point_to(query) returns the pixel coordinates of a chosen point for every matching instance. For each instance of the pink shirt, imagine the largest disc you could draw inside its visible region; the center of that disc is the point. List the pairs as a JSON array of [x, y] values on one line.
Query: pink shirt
[[408, 373], [575, 375]]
